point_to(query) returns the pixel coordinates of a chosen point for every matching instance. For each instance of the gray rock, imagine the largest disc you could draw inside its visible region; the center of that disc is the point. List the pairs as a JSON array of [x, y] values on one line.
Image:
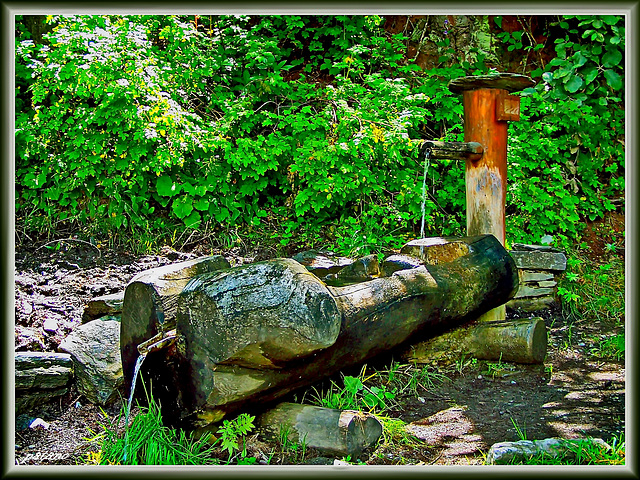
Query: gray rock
[[50, 325], [534, 248], [539, 260], [509, 452], [103, 305], [95, 350], [40, 377], [42, 370]]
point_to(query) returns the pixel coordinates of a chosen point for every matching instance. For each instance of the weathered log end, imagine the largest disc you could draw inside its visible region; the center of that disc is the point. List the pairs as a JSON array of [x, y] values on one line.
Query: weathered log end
[[436, 250], [329, 431], [150, 303], [253, 333]]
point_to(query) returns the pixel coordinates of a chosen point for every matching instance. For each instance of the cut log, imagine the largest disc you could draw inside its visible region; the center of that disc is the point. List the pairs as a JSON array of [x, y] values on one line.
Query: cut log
[[330, 431], [519, 341], [510, 82], [254, 333], [150, 302]]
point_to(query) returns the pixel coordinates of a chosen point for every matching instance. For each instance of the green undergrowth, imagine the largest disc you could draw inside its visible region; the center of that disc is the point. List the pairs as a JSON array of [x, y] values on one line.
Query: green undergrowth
[[593, 294], [147, 441]]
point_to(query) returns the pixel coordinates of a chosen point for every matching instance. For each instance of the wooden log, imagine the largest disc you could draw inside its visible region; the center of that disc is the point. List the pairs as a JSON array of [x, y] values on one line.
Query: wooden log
[[487, 107], [330, 431], [531, 304], [511, 82], [150, 302], [519, 341], [452, 150], [254, 333]]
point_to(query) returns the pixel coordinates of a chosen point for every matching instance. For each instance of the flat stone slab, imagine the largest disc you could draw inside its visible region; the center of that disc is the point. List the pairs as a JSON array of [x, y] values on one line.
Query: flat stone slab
[[41, 377], [42, 370], [539, 260]]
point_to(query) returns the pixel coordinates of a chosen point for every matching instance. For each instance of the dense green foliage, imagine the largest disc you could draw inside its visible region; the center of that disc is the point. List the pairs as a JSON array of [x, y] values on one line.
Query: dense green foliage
[[307, 124]]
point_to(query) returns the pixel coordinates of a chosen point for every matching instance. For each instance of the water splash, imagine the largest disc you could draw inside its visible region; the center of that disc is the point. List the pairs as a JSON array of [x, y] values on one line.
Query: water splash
[[424, 189], [136, 370]]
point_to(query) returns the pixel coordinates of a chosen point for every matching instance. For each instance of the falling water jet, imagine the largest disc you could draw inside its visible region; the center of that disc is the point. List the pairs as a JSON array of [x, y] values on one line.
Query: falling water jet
[[424, 191], [157, 342]]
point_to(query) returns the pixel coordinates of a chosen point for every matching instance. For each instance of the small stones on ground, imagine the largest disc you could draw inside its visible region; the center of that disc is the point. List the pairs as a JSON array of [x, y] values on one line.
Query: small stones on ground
[[39, 423], [50, 325]]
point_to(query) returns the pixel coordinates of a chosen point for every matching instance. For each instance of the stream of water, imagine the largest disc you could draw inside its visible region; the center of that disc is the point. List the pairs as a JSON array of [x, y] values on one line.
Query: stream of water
[[136, 370], [424, 190]]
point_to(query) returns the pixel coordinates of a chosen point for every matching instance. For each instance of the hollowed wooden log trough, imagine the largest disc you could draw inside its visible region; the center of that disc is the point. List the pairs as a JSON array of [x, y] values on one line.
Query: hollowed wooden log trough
[[251, 334]]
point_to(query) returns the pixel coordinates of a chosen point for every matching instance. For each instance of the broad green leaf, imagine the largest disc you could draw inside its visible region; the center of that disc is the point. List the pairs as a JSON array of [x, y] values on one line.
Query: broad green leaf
[[590, 75], [166, 187], [202, 204], [182, 206], [610, 19], [573, 83], [193, 220], [221, 215], [613, 79], [611, 58]]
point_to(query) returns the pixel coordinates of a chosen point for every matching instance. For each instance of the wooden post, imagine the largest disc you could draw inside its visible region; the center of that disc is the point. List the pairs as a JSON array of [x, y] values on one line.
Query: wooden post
[[487, 108]]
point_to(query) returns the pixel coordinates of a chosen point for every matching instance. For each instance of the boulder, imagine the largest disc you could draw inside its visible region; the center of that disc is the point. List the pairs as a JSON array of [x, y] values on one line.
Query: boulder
[[95, 350]]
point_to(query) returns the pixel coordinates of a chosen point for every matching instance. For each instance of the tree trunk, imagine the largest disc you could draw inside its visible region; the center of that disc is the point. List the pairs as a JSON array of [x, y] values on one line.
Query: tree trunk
[[254, 333]]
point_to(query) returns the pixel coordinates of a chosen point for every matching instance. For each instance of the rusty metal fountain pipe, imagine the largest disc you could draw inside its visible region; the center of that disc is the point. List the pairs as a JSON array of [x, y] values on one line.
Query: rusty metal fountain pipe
[[488, 106]]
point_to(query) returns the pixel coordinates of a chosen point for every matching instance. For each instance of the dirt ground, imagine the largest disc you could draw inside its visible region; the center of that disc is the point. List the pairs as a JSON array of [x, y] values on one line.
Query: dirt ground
[[573, 395]]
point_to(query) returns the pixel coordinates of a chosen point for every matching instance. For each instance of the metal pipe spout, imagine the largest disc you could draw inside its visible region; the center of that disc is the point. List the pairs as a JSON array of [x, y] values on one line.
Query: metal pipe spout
[[158, 342]]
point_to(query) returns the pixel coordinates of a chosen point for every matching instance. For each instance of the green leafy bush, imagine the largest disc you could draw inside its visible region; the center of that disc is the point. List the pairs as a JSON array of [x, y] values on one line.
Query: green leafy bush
[[306, 122], [566, 160]]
